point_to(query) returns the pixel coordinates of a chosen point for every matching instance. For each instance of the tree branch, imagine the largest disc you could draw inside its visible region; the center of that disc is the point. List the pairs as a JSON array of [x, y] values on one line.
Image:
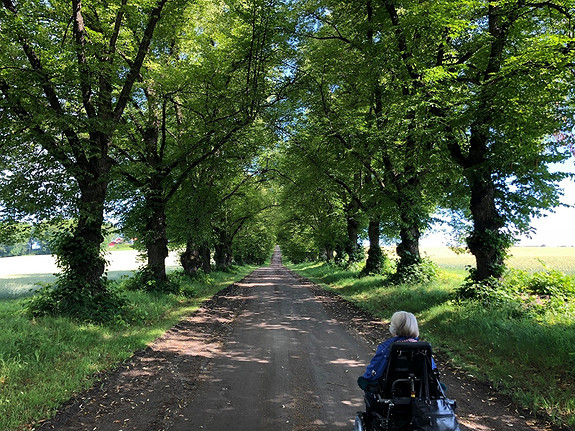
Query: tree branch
[[139, 60], [80, 39], [116, 33]]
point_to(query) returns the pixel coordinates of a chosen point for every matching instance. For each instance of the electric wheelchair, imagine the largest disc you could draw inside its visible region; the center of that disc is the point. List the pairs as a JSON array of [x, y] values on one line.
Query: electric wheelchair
[[409, 397]]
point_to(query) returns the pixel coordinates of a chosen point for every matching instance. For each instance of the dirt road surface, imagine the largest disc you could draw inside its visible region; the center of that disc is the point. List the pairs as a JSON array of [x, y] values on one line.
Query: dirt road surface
[[272, 352]]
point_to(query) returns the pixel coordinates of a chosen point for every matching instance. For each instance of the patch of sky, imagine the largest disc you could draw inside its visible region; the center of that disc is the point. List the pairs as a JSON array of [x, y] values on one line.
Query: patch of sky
[[556, 227]]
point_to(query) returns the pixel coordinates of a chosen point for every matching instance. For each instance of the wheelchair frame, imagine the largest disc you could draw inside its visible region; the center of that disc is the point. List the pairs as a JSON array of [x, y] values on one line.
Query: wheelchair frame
[[408, 376]]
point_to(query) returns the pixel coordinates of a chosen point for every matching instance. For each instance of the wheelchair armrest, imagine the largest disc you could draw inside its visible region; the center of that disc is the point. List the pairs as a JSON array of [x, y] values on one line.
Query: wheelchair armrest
[[373, 388]]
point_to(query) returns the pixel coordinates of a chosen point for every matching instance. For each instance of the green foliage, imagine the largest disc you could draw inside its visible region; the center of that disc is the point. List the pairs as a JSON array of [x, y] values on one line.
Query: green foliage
[[192, 286], [77, 295], [254, 244], [12, 232], [377, 263], [522, 294], [492, 294], [144, 279], [72, 251], [65, 93], [552, 283], [18, 238], [297, 244], [178, 283], [14, 250], [104, 305], [423, 271], [195, 162], [355, 255], [495, 242], [376, 112]]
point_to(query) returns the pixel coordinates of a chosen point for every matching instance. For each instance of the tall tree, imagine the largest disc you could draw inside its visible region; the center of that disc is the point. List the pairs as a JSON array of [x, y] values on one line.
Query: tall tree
[[204, 85], [218, 202], [488, 79], [507, 64], [375, 109], [64, 77], [319, 201]]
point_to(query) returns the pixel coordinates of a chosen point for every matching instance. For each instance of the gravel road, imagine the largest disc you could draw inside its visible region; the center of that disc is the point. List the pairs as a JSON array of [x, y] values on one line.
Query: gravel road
[[287, 365]]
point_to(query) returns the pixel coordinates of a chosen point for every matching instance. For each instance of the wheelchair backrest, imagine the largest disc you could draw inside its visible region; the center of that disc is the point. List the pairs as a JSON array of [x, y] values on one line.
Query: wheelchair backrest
[[409, 373]]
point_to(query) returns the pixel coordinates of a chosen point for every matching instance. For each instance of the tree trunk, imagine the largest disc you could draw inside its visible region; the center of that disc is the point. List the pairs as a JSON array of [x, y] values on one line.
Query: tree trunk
[[191, 258], [329, 253], [221, 256], [82, 256], [157, 249], [155, 237], [223, 250], [374, 254], [408, 248], [205, 255], [486, 242], [410, 217], [339, 253], [352, 248], [195, 258], [97, 114]]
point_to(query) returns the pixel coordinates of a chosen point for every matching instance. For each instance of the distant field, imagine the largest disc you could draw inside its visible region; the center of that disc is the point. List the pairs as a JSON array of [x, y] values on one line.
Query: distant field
[[525, 258], [20, 275]]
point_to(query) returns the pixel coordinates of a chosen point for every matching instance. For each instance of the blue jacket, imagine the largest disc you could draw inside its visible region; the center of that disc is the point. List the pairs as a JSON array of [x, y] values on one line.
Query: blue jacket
[[376, 368]]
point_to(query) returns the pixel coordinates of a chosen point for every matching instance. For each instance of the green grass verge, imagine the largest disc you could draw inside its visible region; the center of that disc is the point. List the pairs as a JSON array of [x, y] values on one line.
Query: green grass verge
[[533, 360], [43, 362]]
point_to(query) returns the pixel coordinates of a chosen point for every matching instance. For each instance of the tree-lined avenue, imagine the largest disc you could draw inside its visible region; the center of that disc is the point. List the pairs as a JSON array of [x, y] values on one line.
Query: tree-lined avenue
[[269, 354]]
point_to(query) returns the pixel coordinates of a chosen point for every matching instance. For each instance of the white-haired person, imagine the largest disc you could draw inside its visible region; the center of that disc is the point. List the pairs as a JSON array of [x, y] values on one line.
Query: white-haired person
[[403, 327]]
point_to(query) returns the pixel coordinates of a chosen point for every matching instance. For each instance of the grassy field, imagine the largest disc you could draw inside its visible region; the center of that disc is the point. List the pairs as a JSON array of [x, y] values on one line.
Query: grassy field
[[20, 276], [43, 362], [529, 259], [492, 343]]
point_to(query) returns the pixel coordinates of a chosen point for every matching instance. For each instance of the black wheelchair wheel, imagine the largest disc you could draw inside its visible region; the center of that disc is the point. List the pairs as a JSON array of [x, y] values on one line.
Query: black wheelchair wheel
[[359, 424]]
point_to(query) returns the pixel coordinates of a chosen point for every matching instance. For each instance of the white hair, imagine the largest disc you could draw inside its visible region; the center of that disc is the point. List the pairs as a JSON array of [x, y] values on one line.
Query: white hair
[[403, 324]]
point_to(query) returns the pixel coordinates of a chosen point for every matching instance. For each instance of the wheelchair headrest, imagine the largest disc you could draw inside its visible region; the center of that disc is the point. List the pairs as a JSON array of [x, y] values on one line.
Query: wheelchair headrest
[[411, 345], [410, 348]]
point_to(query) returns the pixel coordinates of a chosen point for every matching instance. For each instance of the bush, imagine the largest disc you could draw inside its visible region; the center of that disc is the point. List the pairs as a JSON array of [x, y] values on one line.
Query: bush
[[491, 294], [519, 293], [379, 265], [189, 283], [75, 294], [423, 271], [86, 304], [552, 283], [144, 280], [178, 282]]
